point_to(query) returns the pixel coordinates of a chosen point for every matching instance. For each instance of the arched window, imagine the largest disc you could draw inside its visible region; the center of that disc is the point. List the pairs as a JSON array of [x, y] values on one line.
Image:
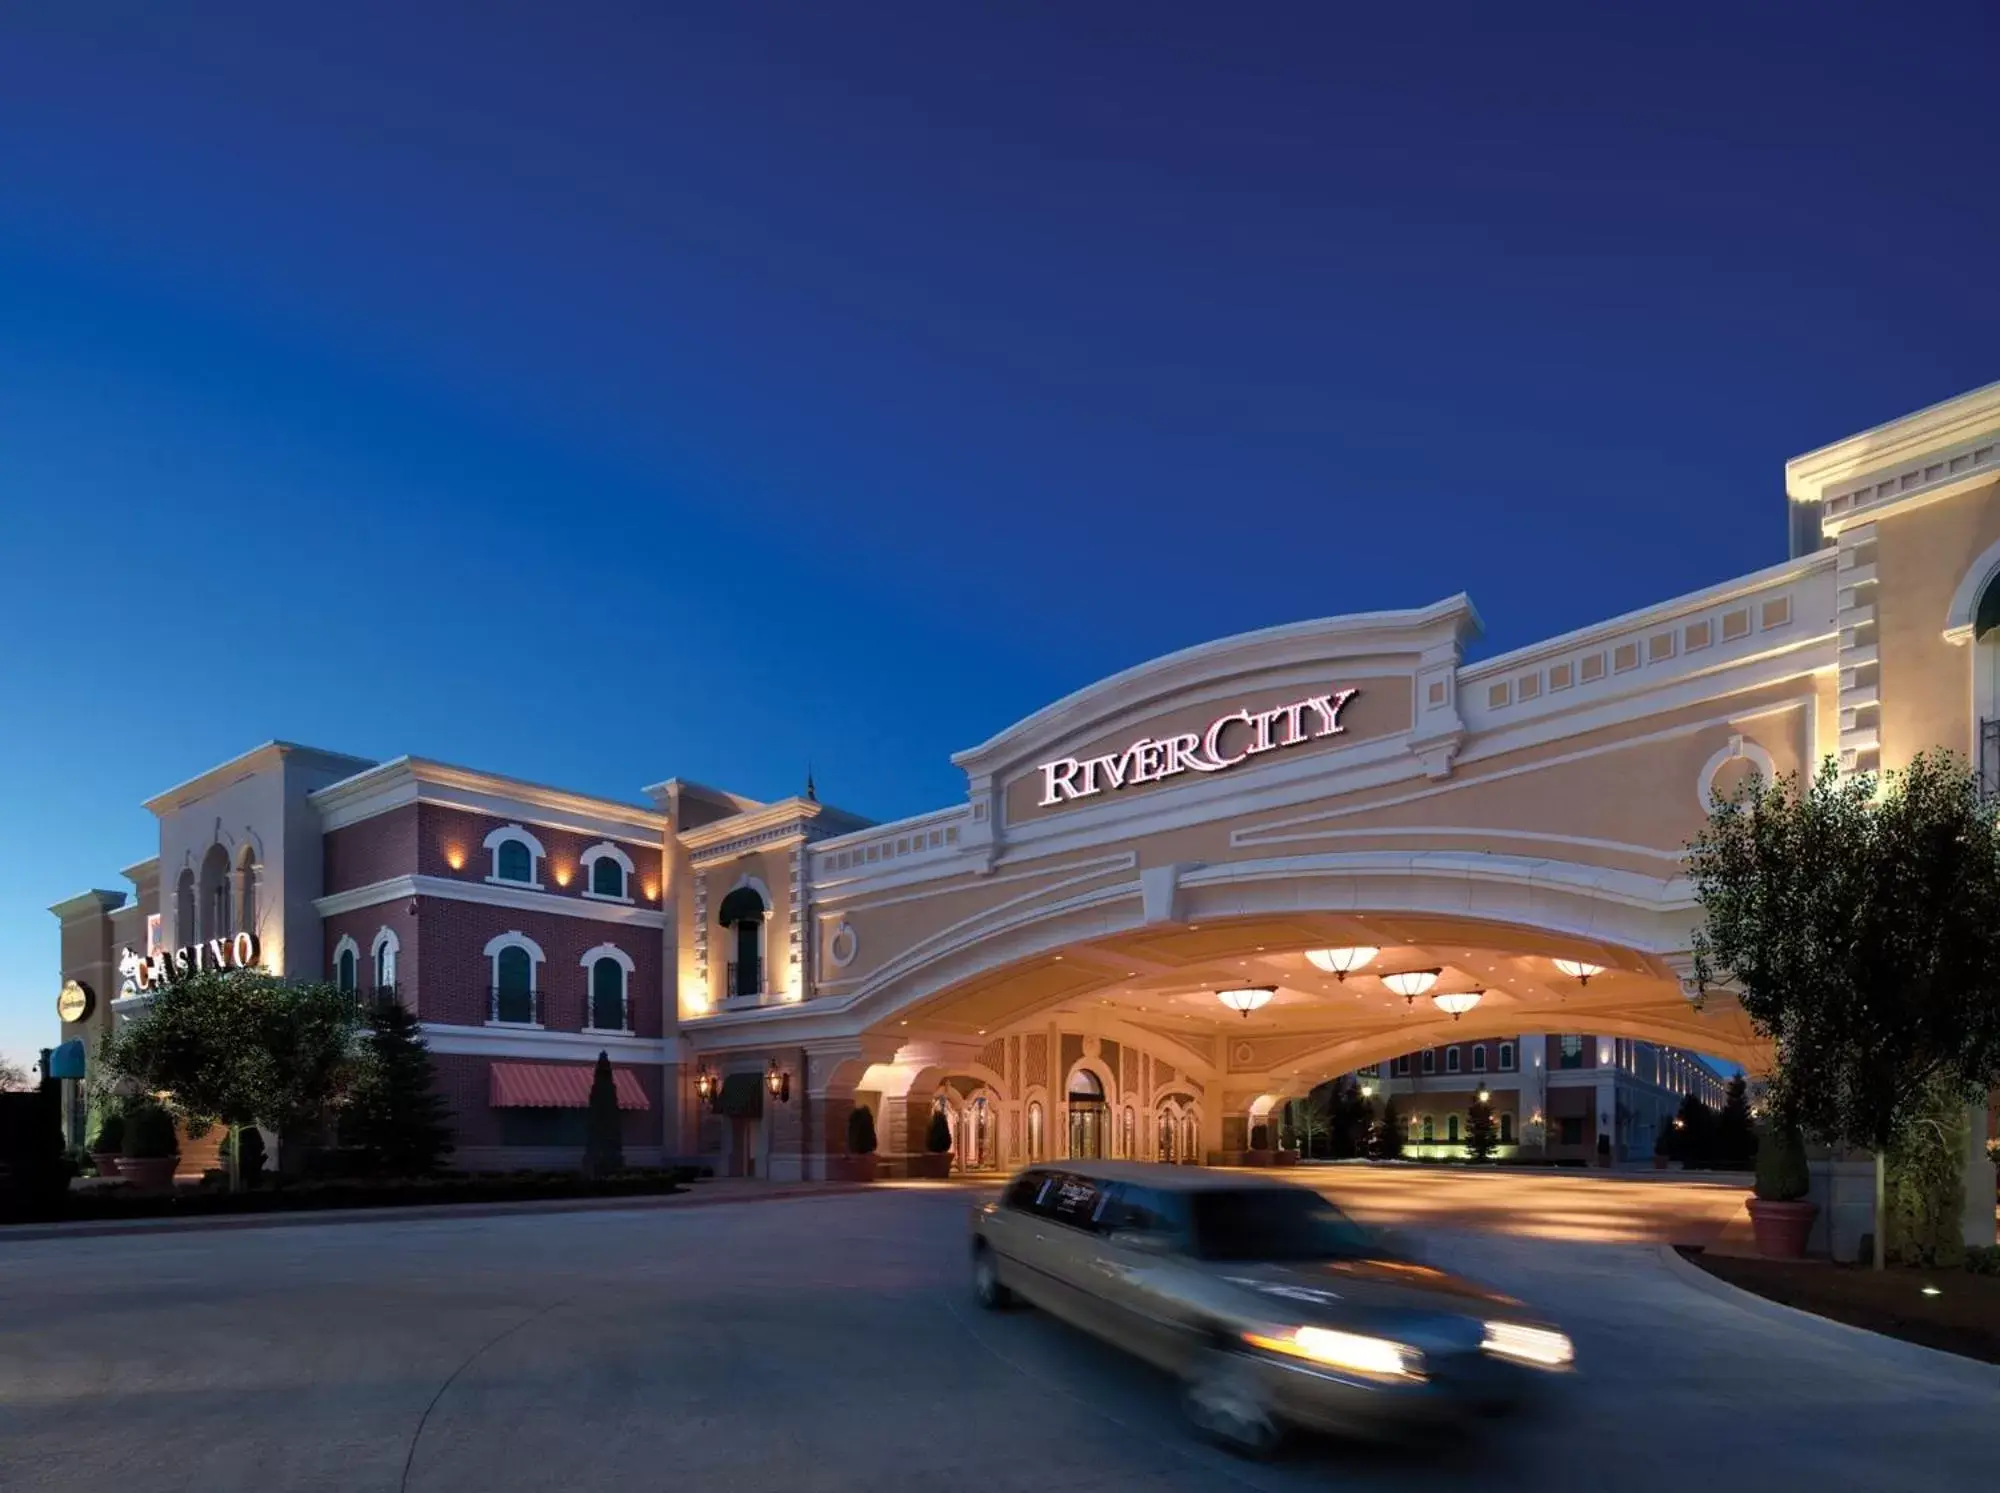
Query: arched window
[[347, 964], [1506, 1057], [1506, 1128], [1131, 1134], [517, 856], [186, 928], [383, 954], [1479, 1058], [1451, 1128], [1430, 1063], [1429, 1132], [215, 899], [743, 910], [246, 889], [515, 996], [609, 969], [607, 873], [1035, 1141], [1451, 1059]]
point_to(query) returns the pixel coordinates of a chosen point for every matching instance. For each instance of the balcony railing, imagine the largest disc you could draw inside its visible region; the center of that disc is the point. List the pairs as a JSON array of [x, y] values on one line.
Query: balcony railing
[[1989, 757], [745, 978], [520, 1007]]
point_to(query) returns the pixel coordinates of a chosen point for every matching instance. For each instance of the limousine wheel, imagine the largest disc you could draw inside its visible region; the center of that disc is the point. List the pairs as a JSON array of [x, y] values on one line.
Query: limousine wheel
[[1223, 1402], [986, 1287]]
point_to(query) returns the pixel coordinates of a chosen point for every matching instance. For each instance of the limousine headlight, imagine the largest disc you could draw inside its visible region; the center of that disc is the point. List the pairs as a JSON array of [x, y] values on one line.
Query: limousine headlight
[[1351, 1351], [1541, 1346]]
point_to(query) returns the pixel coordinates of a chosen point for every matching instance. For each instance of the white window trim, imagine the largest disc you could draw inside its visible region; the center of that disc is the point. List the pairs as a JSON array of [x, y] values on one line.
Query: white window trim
[[536, 856], [385, 935], [625, 962], [1479, 1058], [1508, 1061], [1452, 1061], [605, 850], [346, 945], [515, 939]]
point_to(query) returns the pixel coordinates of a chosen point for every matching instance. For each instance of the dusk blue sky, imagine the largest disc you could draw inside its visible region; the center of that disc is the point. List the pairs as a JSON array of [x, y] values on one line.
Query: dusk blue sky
[[602, 393]]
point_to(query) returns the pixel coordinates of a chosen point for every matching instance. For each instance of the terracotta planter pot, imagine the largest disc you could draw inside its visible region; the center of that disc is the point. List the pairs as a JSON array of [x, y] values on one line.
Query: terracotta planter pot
[[1259, 1158], [1286, 1158], [1781, 1228], [934, 1165], [149, 1173], [850, 1168], [106, 1163]]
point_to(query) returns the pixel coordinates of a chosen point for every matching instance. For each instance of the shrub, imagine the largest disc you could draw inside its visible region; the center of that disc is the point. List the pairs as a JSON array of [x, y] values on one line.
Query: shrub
[[860, 1131], [1782, 1176], [1983, 1259], [149, 1133], [1925, 1183], [395, 1120], [250, 1141], [1260, 1137], [604, 1144], [110, 1132], [938, 1138]]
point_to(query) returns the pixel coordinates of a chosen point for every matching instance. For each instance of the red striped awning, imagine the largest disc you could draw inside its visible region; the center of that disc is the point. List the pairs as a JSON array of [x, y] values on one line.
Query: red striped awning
[[557, 1086]]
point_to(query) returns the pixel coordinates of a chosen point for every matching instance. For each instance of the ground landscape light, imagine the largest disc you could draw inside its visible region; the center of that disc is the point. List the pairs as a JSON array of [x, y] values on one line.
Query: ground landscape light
[[1340, 963]]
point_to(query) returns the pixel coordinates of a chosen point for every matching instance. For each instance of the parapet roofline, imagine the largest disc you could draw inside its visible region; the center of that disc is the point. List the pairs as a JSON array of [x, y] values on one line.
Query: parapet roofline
[[413, 773], [736, 802], [269, 754], [785, 811], [1934, 428], [95, 902]]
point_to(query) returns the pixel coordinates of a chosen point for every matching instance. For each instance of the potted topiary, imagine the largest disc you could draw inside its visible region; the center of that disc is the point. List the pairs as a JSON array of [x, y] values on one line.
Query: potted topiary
[[106, 1144], [151, 1149], [1663, 1145], [936, 1160], [858, 1165], [1259, 1153], [1780, 1215]]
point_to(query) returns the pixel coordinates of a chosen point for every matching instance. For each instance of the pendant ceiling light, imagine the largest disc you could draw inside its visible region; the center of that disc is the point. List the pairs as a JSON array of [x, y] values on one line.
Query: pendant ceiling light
[[1456, 1003], [1411, 983], [1245, 998], [1577, 970], [1340, 963]]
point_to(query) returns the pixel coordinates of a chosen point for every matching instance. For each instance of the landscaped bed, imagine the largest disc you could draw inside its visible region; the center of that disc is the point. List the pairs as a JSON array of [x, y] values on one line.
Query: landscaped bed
[[1963, 1317], [280, 1196]]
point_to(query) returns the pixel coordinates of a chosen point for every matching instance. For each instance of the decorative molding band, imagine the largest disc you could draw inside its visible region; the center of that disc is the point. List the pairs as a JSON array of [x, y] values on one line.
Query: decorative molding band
[[580, 1047], [519, 898]]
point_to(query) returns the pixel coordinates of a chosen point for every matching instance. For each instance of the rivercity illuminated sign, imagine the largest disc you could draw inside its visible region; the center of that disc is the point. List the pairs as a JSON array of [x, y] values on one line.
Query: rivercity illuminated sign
[[240, 952], [1212, 750]]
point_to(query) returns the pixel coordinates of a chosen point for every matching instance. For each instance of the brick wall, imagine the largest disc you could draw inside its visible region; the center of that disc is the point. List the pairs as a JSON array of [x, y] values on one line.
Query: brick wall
[[362, 925], [444, 834], [374, 850], [457, 972]]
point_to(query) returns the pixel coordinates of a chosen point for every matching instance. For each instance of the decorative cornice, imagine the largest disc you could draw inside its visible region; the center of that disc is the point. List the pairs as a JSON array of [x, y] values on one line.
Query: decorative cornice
[[1953, 422], [445, 888], [791, 818], [267, 755], [410, 779], [580, 1047], [94, 903]]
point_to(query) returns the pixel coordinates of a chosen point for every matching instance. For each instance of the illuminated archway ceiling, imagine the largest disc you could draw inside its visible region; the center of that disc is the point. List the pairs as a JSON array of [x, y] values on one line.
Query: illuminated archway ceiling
[[1165, 978]]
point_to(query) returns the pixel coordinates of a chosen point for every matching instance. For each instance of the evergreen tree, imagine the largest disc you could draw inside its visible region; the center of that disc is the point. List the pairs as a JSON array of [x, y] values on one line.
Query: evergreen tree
[[604, 1141], [1696, 1123], [861, 1131], [1349, 1117], [1387, 1141], [395, 1118], [1482, 1131], [1735, 1135]]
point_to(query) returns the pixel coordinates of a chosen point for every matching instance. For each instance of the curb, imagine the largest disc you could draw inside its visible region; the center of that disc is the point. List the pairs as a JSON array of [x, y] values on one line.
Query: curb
[[1974, 1372], [419, 1213]]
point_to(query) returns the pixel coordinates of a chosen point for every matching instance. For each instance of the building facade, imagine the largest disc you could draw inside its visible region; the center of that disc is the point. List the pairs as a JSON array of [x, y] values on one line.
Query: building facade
[[1164, 904], [1552, 1094]]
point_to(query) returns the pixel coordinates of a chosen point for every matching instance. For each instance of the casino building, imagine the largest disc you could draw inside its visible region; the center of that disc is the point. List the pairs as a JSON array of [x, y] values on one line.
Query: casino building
[[1161, 907]]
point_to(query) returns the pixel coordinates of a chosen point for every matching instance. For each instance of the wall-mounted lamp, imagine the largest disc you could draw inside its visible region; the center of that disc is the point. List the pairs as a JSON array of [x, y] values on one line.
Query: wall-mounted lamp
[[707, 1085], [778, 1083]]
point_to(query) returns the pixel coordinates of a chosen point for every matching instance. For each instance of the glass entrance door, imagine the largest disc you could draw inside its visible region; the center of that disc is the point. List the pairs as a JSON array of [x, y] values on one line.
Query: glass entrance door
[[1087, 1122]]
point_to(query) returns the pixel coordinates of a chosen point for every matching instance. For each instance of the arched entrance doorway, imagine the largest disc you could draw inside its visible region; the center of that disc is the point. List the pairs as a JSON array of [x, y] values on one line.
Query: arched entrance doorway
[[1089, 1115]]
